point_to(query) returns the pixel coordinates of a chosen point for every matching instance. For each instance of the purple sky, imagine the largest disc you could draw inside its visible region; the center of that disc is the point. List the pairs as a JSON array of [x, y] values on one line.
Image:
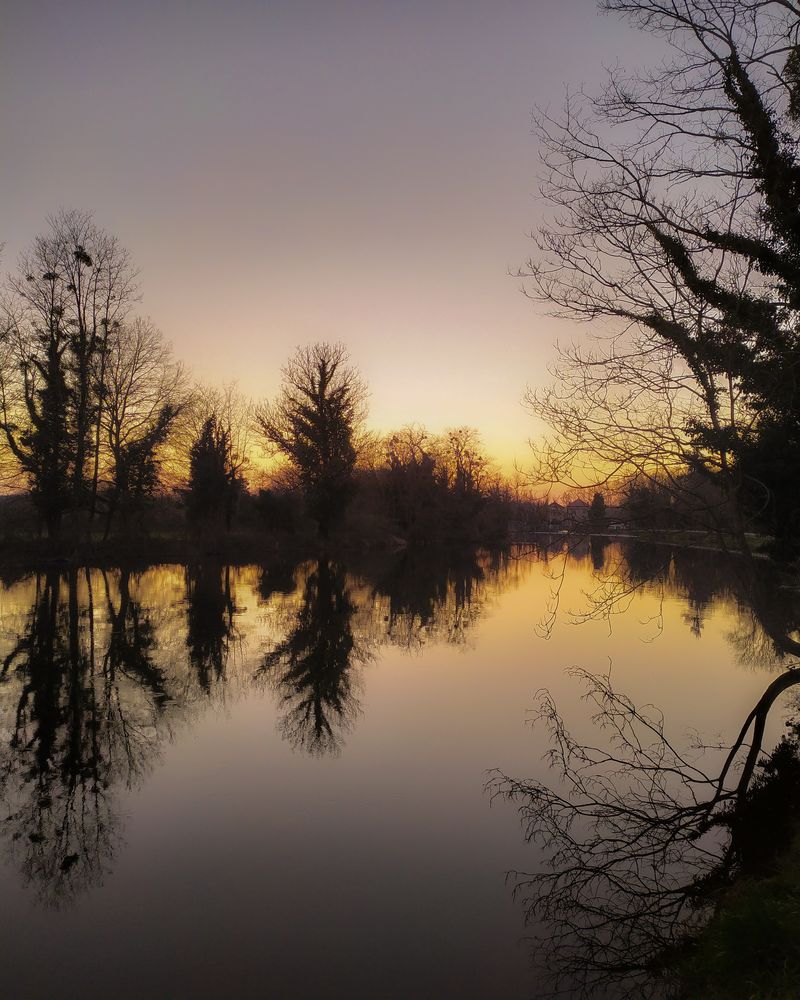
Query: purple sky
[[285, 172]]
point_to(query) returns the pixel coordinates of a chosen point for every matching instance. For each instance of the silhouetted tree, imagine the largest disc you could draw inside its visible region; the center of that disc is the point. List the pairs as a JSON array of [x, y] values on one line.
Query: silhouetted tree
[[36, 408], [464, 461], [638, 838], [442, 487], [597, 509], [210, 627], [71, 291], [233, 414], [675, 198], [79, 726], [434, 595], [416, 485], [133, 641], [214, 486], [145, 393], [315, 423]]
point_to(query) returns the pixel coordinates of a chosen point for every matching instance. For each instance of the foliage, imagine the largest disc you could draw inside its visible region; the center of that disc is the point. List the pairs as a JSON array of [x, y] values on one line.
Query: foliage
[[214, 485], [597, 508], [442, 486], [88, 397], [315, 423], [38, 429], [750, 949]]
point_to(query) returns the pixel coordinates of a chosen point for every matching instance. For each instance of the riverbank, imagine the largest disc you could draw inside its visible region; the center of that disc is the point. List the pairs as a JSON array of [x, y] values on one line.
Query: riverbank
[[689, 539], [751, 948]]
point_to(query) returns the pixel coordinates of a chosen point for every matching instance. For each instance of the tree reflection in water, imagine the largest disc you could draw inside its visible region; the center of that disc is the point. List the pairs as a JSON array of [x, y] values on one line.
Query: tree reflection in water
[[638, 836], [432, 598], [78, 730], [99, 667], [312, 668], [211, 630], [96, 676]]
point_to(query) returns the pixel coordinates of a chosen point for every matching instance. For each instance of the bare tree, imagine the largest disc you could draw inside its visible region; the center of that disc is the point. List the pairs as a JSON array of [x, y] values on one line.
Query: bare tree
[[145, 393], [674, 218], [464, 461]]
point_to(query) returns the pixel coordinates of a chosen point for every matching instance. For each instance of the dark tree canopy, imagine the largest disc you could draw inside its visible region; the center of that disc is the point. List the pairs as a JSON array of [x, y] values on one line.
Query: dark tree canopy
[[213, 481], [315, 423], [597, 508], [87, 396]]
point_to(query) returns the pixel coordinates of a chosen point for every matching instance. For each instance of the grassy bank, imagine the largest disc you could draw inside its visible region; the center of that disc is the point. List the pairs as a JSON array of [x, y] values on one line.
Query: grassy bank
[[751, 948]]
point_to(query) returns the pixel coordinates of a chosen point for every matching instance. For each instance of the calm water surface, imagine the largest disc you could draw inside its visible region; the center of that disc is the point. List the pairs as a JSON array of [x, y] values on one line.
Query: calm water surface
[[270, 781]]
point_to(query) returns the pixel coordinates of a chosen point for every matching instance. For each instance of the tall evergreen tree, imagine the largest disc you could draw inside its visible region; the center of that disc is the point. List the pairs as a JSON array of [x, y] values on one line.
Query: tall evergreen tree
[[315, 423], [214, 485]]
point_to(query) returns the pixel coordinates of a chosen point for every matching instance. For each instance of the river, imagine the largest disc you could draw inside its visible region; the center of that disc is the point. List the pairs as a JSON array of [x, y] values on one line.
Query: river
[[277, 781]]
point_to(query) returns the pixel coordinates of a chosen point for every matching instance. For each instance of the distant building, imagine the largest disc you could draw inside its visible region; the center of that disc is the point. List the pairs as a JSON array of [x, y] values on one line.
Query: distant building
[[577, 510]]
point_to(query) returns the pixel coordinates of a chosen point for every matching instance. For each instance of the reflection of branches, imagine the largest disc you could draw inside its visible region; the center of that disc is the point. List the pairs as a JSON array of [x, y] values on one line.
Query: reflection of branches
[[558, 553], [132, 641], [312, 669], [76, 732], [86, 696], [767, 609], [636, 840], [434, 596]]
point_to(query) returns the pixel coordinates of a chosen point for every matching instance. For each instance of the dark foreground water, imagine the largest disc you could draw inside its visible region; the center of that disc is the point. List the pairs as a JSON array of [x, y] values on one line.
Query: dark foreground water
[[270, 781]]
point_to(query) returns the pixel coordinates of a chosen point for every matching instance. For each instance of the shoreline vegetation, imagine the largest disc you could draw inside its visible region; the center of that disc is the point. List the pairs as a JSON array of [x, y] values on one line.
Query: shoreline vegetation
[[108, 444], [239, 547], [750, 950], [242, 546]]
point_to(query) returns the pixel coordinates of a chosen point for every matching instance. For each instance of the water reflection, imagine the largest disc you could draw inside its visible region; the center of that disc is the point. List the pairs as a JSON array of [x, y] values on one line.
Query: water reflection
[[81, 713], [638, 831], [211, 622], [312, 668], [100, 667], [431, 599]]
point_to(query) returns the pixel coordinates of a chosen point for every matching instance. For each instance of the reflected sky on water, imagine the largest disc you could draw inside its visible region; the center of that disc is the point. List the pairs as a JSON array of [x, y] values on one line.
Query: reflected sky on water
[[258, 781]]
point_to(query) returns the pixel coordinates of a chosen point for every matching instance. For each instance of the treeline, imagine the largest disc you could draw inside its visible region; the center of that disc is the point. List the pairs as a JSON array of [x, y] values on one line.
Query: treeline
[[689, 502], [104, 432]]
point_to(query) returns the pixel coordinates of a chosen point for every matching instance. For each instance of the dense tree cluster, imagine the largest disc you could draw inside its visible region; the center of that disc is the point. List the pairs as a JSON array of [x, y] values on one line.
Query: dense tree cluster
[[97, 420], [87, 395], [441, 484]]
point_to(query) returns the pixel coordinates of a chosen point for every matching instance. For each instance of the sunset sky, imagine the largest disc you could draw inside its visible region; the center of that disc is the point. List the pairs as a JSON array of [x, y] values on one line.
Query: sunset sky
[[287, 171]]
